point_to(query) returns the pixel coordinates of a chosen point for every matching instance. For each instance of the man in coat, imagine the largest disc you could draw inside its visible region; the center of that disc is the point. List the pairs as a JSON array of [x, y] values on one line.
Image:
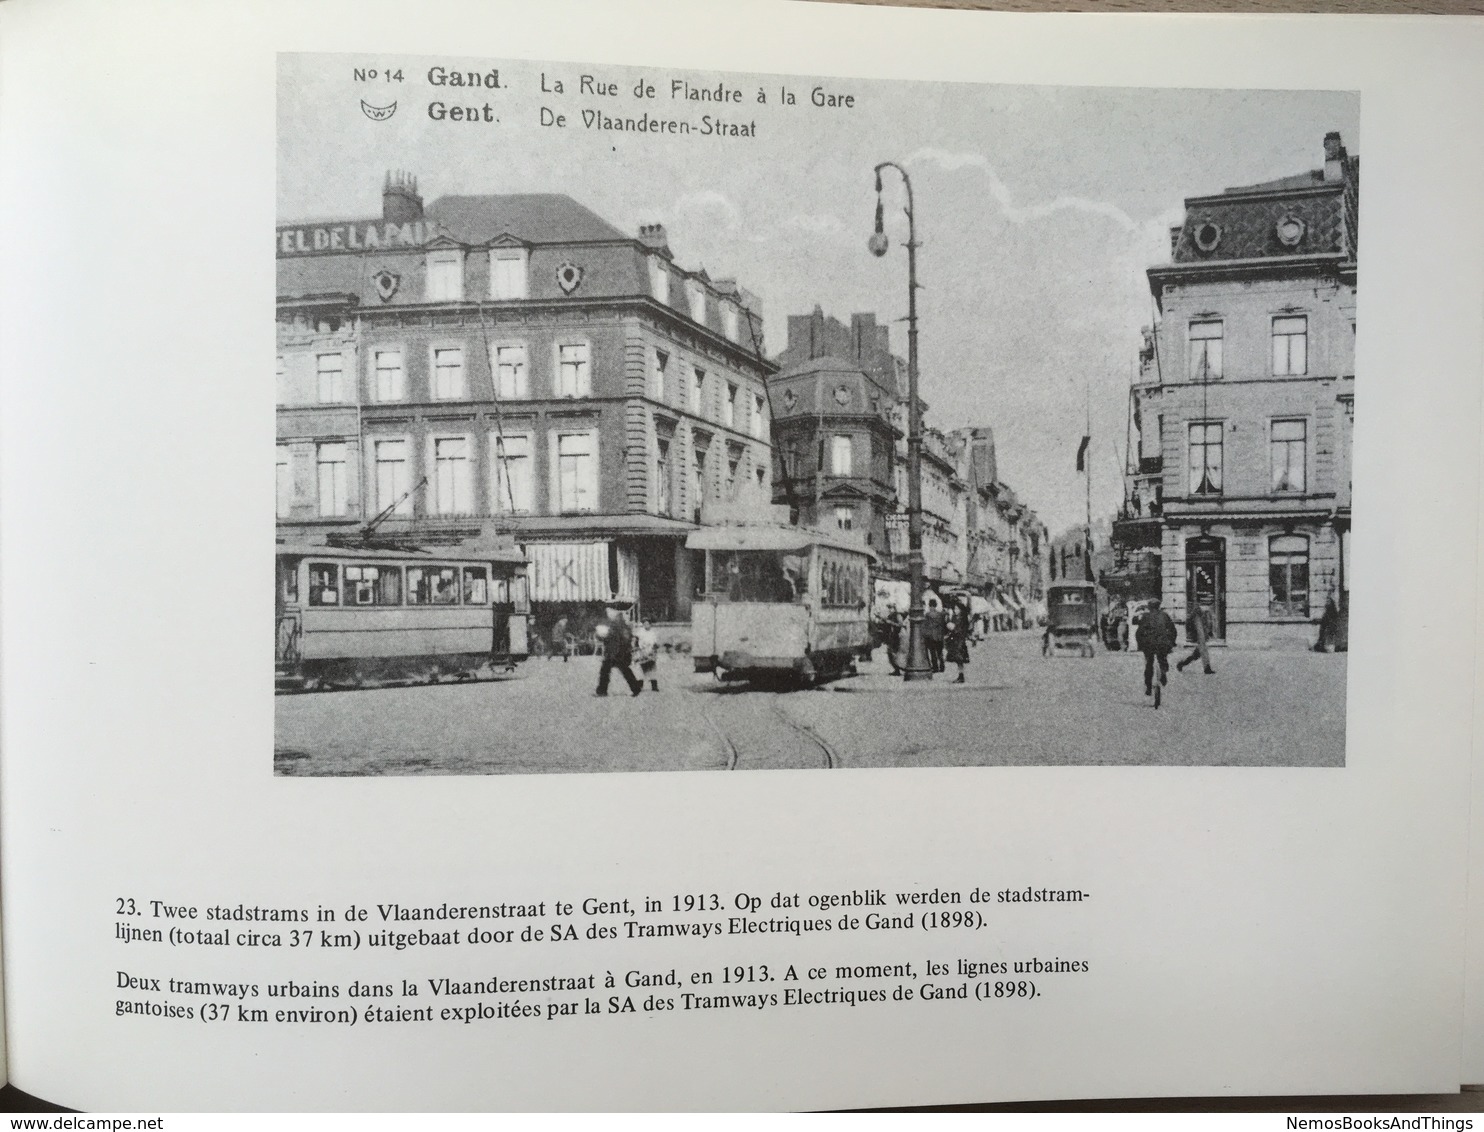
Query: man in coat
[[934, 632], [1156, 640], [1201, 628], [618, 651]]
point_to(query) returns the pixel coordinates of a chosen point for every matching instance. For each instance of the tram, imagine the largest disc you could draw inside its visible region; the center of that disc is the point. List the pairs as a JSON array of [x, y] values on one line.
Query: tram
[[780, 603], [363, 616]]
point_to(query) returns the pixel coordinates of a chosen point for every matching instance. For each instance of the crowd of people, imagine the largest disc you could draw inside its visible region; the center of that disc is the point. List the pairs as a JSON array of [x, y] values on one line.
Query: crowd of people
[[948, 627]]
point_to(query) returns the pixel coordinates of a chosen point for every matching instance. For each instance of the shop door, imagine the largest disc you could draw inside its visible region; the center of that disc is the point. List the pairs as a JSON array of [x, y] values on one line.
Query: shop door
[[1205, 579]]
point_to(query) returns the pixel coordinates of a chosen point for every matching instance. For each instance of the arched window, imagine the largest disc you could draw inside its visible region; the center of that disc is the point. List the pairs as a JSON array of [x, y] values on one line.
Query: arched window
[[1288, 576]]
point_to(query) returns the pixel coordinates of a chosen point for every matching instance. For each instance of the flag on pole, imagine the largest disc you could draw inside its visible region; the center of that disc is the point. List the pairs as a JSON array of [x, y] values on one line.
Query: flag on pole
[[1082, 453]]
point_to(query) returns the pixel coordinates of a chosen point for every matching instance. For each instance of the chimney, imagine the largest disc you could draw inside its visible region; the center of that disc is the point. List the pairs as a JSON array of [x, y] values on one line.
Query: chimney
[[1334, 158], [400, 203], [653, 236], [863, 339], [981, 451]]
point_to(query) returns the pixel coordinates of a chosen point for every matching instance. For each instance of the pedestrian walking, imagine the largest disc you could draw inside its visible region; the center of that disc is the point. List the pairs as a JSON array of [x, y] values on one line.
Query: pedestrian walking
[[934, 632], [560, 641], [1156, 640], [1201, 628], [956, 639], [618, 650], [647, 653]]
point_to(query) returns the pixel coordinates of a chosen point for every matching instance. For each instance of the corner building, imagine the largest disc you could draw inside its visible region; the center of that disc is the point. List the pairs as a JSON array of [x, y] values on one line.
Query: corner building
[[1245, 406], [516, 366]]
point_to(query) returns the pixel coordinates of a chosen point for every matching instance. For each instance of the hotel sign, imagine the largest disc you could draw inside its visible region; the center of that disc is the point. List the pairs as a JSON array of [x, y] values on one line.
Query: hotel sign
[[352, 236]]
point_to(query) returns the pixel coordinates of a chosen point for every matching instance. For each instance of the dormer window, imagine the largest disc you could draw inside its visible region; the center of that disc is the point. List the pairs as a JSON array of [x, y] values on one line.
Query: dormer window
[[659, 279], [508, 273], [695, 293], [729, 321], [446, 276]]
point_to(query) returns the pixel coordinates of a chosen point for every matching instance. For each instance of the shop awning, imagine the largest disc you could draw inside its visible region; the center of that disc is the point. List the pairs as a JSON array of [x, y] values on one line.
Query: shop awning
[[578, 571]]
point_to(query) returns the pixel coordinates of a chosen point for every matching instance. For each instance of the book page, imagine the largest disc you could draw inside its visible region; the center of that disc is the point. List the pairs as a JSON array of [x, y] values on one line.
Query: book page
[[595, 332]]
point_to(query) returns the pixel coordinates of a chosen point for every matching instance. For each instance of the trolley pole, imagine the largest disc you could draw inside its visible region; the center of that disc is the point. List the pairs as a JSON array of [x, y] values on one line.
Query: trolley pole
[[917, 666]]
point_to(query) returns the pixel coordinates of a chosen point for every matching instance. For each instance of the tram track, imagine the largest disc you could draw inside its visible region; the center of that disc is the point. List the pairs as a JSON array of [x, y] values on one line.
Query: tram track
[[830, 761], [756, 733]]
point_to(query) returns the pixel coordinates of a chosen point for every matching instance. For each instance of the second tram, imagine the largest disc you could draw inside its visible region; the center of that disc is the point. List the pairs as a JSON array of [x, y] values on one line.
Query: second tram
[[780, 603]]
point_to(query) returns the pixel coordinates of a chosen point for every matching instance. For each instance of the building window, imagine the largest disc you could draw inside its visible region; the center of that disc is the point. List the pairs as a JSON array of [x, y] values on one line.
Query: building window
[[1205, 459], [697, 389], [283, 482], [661, 363], [392, 480], [734, 461], [695, 294], [729, 407], [280, 382], [513, 382], [512, 486], [845, 518], [729, 321], [448, 373], [329, 462], [762, 477], [698, 480], [1289, 448], [508, 273], [1288, 576], [577, 472], [1290, 346], [840, 456], [390, 375], [451, 476], [1205, 350], [663, 495], [659, 279], [330, 370], [574, 378], [758, 409], [445, 277]]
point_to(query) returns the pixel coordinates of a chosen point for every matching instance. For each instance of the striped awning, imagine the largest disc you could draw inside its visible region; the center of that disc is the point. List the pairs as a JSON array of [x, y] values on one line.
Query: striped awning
[[578, 571]]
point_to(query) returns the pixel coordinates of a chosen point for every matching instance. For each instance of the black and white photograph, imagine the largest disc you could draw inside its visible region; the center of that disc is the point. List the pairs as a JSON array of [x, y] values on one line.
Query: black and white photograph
[[635, 419]]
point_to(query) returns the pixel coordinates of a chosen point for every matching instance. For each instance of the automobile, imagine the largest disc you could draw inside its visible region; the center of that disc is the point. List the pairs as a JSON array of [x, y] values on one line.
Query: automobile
[[1072, 619]]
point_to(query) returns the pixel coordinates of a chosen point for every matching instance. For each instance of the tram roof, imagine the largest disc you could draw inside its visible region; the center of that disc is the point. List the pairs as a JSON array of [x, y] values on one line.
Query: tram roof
[[485, 553], [783, 539]]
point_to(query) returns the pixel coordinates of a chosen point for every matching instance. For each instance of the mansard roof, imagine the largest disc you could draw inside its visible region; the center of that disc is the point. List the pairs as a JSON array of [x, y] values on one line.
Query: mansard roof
[[532, 218], [1308, 214]]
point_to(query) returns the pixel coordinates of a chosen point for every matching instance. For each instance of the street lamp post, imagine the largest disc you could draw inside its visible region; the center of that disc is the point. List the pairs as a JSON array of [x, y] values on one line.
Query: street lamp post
[[917, 666]]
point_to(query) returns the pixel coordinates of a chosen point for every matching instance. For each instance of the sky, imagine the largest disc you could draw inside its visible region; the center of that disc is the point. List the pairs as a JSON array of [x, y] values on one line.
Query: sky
[[1038, 209]]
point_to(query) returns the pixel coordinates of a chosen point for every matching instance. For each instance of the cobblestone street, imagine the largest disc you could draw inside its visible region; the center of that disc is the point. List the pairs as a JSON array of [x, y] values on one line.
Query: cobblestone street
[[1016, 709]]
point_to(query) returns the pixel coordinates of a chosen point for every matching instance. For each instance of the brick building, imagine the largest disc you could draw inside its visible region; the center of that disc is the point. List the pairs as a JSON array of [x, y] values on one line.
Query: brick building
[[515, 365], [1244, 408]]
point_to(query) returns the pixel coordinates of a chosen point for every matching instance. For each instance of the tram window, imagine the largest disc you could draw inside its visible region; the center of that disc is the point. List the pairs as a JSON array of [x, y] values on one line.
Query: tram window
[[432, 585], [373, 585], [324, 584], [500, 591], [758, 576], [476, 585], [841, 583]]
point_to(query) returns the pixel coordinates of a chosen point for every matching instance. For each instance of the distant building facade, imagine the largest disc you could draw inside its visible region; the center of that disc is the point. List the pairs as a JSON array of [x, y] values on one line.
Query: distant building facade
[[1239, 478], [834, 436], [515, 365]]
